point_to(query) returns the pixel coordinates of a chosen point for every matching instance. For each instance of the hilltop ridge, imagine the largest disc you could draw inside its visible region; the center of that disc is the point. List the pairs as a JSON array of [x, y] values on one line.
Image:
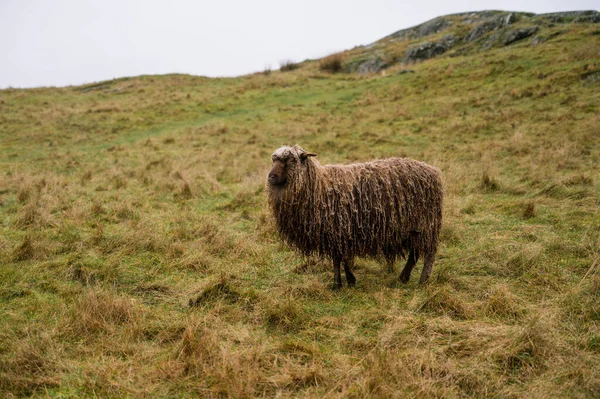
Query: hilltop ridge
[[460, 34]]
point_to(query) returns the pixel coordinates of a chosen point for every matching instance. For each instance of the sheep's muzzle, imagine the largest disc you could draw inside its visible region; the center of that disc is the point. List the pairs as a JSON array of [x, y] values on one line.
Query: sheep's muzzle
[[277, 174]]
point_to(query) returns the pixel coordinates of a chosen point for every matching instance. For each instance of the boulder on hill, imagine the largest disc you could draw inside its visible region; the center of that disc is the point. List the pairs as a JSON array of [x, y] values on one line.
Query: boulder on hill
[[434, 26], [490, 24], [369, 65], [519, 34], [426, 50]]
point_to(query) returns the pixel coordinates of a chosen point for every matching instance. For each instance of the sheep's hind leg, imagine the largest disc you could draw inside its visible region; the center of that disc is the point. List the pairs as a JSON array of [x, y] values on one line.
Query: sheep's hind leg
[[337, 274], [349, 276], [428, 260], [410, 264]]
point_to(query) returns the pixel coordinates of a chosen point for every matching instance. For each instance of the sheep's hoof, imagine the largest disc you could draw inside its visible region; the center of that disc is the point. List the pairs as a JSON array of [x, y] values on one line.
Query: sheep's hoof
[[404, 278], [336, 286], [351, 280], [423, 279]]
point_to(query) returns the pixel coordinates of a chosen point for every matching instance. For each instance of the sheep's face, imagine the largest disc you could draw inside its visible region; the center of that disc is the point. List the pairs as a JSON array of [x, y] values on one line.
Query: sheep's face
[[286, 161]]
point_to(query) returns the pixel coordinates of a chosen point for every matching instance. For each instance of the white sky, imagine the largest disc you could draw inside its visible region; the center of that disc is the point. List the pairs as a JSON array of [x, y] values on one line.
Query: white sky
[[67, 42]]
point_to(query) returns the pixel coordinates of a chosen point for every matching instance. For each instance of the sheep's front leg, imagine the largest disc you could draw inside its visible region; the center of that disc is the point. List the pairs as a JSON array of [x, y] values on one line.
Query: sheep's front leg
[[412, 260], [429, 258], [348, 263], [337, 274]]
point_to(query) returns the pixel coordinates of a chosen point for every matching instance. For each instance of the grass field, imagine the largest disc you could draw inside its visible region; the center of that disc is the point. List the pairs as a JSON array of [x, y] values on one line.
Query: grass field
[[138, 257]]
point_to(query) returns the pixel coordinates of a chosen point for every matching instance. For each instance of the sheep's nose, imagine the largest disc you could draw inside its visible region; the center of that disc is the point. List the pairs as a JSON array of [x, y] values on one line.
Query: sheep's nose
[[272, 177]]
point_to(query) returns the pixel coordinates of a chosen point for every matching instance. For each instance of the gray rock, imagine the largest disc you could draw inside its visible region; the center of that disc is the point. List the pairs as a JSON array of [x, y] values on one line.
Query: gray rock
[[489, 43], [541, 39], [425, 29], [478, 16], [431, 27], [372, 65], [491, 22], [510, 19], [484, 28], [519, 34], [536, 40], [369, 65], [589, 16], [594, 19], [426, 50], [590, 78]]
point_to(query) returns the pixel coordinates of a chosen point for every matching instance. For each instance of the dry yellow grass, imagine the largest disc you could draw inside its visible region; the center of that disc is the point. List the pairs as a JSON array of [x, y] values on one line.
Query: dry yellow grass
[[138, 257]]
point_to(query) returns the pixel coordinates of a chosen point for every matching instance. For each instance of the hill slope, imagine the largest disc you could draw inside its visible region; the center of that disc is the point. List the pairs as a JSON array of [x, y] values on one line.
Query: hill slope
[[138, 256], [462, 34]]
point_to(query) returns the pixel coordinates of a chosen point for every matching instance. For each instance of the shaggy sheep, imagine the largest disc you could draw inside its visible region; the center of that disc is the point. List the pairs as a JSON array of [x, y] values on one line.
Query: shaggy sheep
[[382, 209]]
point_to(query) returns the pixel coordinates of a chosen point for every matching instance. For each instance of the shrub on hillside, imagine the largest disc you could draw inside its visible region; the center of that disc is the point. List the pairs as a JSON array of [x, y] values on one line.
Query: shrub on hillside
[[288, 65], [332, 63]]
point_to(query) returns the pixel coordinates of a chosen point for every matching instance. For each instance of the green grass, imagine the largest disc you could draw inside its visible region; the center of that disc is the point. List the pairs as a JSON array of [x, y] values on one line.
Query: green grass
[[138, 257]]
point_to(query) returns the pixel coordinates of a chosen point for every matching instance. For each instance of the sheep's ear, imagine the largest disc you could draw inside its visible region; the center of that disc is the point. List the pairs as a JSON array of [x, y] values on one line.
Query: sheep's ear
[[305, 155]]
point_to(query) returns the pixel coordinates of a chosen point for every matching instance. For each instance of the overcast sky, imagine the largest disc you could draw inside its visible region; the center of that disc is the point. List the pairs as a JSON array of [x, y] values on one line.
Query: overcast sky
[[69, 42]]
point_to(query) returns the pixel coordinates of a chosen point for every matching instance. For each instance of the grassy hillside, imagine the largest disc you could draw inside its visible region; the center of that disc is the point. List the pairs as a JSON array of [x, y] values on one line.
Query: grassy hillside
[[138, 258]]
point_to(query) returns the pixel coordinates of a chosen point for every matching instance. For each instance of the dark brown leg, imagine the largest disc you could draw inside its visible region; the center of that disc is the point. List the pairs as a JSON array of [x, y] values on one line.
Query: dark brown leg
[[428, 260], [410, 263], [337, 274], [349, 276]]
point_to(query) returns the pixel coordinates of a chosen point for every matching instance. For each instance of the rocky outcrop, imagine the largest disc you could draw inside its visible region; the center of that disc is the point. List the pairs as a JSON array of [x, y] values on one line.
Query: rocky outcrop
[[464, 33], [364, 66], [426, 50], [490, 24], [518, 34], [588, 16], [591, 77], [434, 26], [544, 38]]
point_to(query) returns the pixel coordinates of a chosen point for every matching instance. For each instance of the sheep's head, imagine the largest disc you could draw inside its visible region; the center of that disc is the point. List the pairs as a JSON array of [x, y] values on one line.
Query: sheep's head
[[286, 163]]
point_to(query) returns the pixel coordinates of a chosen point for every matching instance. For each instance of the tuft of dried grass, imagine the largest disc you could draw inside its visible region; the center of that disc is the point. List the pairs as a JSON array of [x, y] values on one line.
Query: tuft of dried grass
[[528, 210], [32, 368], [501, 302], [582, 304], [332, 63], [217, 240], [312, 265], [446, 301], [32, 214], [311, 290], [25, 192], [198, 350], [488, 183], [221, 288], [519, 144], [97, 311], [219, 369], [24, 251], [527, 351], [185, 192], [288, 65], [283, 314], [523, 259]]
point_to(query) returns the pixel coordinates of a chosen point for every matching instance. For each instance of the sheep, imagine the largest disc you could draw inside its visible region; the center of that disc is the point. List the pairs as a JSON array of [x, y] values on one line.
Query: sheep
[[383, 209]]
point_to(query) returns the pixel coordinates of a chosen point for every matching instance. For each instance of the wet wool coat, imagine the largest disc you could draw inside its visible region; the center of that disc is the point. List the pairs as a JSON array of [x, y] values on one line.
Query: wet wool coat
[[382, 209]]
